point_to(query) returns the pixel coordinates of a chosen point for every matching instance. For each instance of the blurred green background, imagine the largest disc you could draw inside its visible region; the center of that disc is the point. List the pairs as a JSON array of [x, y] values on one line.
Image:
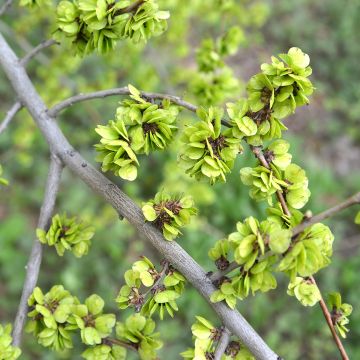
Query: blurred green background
[[325, 138]]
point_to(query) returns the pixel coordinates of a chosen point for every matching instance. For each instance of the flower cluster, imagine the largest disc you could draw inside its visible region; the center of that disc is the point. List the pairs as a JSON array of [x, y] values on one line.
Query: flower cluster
[[287, 178], [139, 331], [89, 318], [67, 234], [7, 351], [2, 180], [150, 291], [209, 152], [305, 291], [57, 315], [206, 337], [169, 213], [49, 314], [140, 127], [91, 25], [273, 94], [254, 247], [309, 253], [339, 313]]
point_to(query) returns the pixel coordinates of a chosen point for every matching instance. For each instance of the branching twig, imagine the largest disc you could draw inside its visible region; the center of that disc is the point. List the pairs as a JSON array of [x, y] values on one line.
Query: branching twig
[[34, 262], [327, 316], [220, 273], [10, 115], [353, 200], [43, 45], [171, 250], [5, 6], [222, 344]]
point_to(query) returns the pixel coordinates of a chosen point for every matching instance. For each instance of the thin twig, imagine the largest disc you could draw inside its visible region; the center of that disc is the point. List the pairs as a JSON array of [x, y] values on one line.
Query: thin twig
[[220, 273], [352, 200], [111, 193], [36, 50], [327, 316], [10, 115], [117, 91], [161, 277], [5, 7], [34, 262], [130, 9], [122, 343], [222, 344]]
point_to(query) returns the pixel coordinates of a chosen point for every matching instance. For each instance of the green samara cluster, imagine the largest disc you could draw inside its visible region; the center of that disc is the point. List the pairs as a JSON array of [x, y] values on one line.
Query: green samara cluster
[[169, 213], [206, 337], [7, 351], [209, 153], [67, 234], [150, 291], [140, 127], [96, 25], [57, 316], [259, 249]]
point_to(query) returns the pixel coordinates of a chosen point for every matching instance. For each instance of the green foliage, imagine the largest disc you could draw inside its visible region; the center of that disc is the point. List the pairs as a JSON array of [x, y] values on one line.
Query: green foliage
[[2, 180], [309, 253], [305, 291], [140, 127], [67, 234], [206, 337], [33, 3], [339, 313], [265, 182], [7, 352], [150, 291], [139, 330], [209, 152], [89, 318], [91, 25], [49, 315], [169, 213]]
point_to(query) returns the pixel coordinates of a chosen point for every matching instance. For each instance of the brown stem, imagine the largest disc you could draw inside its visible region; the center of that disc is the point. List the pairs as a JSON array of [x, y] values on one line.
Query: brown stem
[[130, 9], [122, 343], [160, 278], [257, 150], [327, 316]]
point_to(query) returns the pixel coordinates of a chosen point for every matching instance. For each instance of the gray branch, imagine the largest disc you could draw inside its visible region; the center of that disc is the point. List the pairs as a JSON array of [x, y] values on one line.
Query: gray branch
[[117, 91], [36, 50], [222, 344], [170, 250], [10, 115], [34, 262], [5, 7]]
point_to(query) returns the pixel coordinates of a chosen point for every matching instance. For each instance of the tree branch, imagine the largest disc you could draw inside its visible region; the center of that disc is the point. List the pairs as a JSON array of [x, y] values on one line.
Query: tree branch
[[171, 250], [353, 200], [327, 316], [36, 50], [222, 344], [34, 262], [5, 7], [53, 112], [10, 115]]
